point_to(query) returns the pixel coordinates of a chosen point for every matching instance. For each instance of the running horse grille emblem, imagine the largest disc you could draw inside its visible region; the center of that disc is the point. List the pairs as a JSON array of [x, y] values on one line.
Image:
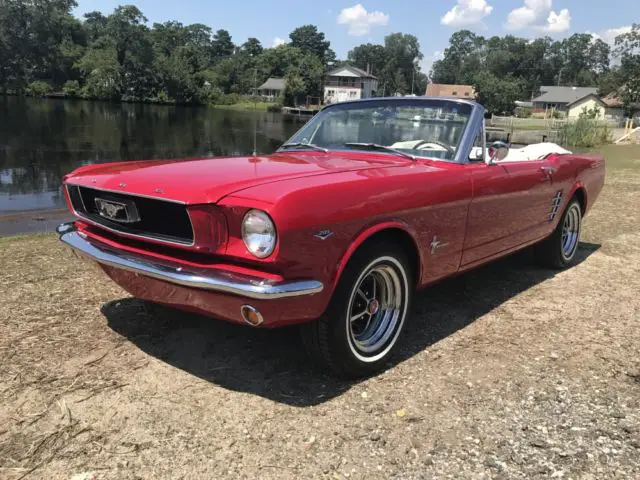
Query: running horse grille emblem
[[556, 201], [122, 212]]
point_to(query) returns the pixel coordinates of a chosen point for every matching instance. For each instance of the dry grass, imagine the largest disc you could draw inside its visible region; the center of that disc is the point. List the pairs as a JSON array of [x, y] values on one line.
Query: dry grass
[[508, 372]]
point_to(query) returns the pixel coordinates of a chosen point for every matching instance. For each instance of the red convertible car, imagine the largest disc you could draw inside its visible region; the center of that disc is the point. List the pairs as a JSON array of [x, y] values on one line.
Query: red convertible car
[[368, 202]]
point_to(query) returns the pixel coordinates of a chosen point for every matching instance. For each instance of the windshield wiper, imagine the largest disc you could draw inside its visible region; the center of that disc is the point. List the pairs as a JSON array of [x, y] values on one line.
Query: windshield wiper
[[301, 144], [376, 146]]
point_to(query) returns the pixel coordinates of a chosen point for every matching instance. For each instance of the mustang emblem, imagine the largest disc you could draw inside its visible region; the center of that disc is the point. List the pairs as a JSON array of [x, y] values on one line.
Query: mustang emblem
[[436, 244], [117, 211]]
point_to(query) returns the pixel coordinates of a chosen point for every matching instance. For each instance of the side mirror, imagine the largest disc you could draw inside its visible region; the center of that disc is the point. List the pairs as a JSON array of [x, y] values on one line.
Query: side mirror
[[497, 151]]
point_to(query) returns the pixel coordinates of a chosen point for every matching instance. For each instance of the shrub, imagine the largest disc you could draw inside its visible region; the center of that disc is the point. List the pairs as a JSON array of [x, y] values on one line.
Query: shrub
[[229, 99], [585, 132], [276, 107], [38, 89], [71, 88], [523, 112]]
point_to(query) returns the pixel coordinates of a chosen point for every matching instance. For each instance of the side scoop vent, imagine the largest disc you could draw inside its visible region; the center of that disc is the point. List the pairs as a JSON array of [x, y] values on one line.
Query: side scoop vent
[[556, 201]]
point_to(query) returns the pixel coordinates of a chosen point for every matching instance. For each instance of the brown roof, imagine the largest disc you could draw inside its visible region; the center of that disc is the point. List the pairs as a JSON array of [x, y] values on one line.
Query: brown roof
[[612, 101], [458, 91]]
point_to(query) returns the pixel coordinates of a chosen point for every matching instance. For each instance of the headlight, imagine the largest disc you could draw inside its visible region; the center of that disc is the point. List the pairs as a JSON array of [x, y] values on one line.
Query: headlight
[[259, 233]]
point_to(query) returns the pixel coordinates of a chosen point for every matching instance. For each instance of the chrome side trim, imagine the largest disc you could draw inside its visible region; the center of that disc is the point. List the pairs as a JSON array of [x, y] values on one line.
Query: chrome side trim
[[173, 272], [126, 234], [124, 192]]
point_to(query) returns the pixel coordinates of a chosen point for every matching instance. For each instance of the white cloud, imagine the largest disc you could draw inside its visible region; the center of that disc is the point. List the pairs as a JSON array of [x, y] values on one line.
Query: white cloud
[[529, 15], [609, 35], [277, 42], [360, 21], [558, 22], [538, 15], [467, 13]]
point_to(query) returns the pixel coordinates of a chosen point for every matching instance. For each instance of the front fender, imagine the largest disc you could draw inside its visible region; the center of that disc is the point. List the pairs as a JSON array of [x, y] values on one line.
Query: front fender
[[368, 233]]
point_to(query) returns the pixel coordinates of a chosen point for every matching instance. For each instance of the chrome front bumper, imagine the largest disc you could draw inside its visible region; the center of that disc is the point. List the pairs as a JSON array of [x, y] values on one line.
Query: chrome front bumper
[[201, 278]]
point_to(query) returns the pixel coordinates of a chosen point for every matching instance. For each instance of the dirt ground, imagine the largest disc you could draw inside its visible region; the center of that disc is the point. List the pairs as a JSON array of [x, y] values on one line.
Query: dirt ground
[[510, 371]]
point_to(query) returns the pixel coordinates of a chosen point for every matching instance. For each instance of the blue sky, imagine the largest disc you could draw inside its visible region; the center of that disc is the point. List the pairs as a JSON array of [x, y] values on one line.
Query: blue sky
[[348, 23]]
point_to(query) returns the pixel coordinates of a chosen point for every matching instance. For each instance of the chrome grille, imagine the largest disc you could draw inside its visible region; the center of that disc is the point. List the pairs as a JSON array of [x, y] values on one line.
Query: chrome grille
[[158, 219]]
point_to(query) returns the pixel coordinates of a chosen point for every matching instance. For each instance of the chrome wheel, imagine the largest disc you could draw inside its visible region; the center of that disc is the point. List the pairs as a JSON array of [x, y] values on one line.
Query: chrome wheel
[[377, 308], [571, 231]]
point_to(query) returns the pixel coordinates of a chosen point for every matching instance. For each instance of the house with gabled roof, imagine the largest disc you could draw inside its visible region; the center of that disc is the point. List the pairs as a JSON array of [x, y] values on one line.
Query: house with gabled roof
[[559, 98], [272, 88], [576, 100], [349, 83]]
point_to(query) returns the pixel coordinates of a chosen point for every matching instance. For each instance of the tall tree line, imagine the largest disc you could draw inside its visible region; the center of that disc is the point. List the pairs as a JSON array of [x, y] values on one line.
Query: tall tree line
[[44, 49], [505, 69]]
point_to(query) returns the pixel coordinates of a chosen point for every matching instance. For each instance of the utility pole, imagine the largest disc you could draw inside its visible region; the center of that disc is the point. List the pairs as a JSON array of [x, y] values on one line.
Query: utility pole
[[413, 76]]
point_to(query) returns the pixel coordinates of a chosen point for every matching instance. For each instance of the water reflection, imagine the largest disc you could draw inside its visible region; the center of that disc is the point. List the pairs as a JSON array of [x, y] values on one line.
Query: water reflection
[[41, 140]]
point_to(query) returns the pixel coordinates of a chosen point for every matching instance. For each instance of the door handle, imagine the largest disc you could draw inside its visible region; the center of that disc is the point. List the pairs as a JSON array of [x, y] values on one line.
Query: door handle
[[547, 172]]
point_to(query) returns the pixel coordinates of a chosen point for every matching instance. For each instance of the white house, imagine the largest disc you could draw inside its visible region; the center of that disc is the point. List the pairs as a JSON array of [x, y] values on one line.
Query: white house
[[349, 83], [585, 104], [576, 100], [559, 98]]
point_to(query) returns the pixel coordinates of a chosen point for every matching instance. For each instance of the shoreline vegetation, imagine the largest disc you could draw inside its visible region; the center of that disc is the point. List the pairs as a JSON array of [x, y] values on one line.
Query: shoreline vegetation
[[232, 102]]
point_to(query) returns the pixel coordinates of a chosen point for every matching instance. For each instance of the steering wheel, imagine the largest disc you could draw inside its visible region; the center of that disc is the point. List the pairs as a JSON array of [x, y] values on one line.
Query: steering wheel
[[447, 147]]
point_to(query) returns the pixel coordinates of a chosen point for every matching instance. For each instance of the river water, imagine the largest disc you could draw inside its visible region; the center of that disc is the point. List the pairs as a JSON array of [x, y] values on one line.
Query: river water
[[42, 139]]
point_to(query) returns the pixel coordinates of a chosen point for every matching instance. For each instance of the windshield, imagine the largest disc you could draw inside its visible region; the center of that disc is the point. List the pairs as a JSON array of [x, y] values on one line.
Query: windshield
[[418, 127]]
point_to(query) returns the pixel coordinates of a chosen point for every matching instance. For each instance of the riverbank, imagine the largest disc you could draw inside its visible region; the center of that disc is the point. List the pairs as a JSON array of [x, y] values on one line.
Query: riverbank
[[32, 221], [251, 106], [245, 103]]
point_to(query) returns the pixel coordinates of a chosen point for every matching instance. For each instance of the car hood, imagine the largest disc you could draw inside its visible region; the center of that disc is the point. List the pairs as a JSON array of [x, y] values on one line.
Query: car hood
[[196, 181]]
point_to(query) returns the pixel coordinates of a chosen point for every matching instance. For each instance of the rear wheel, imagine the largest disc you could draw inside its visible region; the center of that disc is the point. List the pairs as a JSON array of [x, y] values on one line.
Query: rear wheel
[[360, 329], [559, 249]]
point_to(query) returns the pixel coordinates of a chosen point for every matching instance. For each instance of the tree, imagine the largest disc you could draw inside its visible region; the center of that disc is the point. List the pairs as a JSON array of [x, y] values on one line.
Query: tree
[[498, 95], [37, 42], [628, 50], [222, 47], [309, 40], [369, 56], [168, 36], [403, 56], [101, 71], [463, 48], [95, 25], [252, 47]]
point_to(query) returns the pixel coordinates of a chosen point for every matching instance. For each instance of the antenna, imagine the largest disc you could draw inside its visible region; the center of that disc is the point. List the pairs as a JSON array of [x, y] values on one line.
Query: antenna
[[255, 111]]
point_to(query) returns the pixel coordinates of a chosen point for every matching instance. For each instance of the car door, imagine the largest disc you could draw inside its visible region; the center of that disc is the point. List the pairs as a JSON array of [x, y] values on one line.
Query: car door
[[533, 182], [510, 204]]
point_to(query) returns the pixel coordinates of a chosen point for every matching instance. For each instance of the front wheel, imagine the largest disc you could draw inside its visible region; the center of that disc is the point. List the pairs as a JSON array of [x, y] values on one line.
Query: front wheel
[[559, 249], [360, 329]]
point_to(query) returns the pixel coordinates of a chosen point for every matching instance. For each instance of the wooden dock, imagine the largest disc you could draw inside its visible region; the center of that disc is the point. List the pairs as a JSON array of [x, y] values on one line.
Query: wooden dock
[[302, 110]]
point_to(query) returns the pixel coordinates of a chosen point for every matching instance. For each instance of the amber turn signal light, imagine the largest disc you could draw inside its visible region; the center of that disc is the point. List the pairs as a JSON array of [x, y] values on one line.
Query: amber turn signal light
[[250, 315]]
